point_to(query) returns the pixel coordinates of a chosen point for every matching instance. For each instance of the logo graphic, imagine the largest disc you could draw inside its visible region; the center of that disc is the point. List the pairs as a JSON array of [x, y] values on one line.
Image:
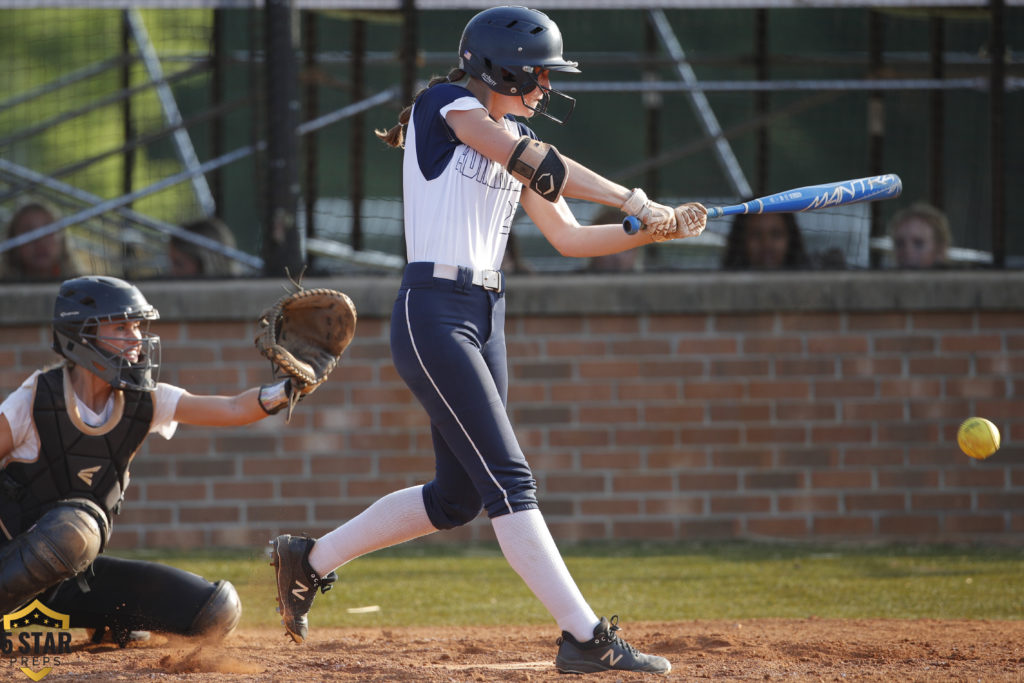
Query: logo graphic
[[86, 474], [610, 656], [300, 592], [35, 647], [545, 185]]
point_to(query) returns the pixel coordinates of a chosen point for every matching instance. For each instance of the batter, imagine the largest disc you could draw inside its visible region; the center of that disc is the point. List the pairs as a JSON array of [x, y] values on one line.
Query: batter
[[468, 165]]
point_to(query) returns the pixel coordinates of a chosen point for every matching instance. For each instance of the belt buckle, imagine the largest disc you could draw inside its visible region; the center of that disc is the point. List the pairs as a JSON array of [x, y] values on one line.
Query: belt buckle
[[491, 279]]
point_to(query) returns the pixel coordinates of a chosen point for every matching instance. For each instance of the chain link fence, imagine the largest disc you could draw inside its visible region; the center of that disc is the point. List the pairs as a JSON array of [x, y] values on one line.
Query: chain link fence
[[130, 122]]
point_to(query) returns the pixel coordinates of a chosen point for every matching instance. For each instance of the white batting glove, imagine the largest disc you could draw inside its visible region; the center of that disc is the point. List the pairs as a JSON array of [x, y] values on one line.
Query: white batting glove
[[656, 218], [691, 219]]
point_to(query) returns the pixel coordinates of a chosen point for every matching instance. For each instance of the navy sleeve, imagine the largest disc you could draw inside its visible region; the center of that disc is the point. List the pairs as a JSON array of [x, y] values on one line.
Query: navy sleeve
[[435, 140]]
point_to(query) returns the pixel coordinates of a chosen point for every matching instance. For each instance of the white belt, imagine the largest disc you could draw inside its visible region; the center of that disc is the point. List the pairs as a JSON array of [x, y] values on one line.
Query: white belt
[[488, 279]]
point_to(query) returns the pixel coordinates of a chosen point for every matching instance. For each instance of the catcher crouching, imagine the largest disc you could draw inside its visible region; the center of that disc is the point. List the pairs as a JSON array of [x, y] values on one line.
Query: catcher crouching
[[68, 435]]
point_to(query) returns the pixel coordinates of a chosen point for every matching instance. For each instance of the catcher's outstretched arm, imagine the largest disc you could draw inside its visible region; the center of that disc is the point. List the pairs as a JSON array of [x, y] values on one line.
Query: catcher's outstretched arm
[[220, 411]]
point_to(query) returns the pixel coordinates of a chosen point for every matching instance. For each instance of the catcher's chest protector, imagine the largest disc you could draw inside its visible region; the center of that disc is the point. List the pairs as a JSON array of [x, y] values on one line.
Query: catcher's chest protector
[[73, 463]]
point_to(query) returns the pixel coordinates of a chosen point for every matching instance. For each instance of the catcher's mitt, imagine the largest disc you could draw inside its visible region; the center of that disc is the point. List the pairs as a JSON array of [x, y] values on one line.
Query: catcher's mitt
[[304, 335]]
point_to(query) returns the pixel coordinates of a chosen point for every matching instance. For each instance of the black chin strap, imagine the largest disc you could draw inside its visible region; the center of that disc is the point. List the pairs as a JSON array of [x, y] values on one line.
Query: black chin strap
[[545, 101]]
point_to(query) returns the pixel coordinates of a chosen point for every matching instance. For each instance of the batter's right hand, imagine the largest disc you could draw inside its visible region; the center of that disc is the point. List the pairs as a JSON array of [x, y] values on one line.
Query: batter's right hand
[[691, 218], [690, 221]]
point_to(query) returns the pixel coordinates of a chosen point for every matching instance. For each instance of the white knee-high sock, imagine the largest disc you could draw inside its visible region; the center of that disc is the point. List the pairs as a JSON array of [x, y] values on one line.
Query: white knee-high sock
[[393, 519], [528, 546]]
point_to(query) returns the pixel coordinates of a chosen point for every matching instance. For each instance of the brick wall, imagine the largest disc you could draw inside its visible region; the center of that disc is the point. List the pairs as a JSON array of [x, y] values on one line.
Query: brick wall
[[702, 405]]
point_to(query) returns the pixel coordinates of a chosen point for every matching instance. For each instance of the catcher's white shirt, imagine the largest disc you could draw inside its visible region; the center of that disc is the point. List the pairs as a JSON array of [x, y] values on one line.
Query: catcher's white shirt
[[17, 408], [459, 205]]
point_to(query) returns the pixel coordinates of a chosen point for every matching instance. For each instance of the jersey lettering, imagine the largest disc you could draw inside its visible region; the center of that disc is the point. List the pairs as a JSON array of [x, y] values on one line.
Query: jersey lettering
[[472, 164], [506, 224]]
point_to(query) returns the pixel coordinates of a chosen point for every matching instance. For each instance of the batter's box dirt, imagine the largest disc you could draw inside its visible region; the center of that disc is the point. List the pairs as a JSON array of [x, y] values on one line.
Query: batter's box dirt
[[751, 650]]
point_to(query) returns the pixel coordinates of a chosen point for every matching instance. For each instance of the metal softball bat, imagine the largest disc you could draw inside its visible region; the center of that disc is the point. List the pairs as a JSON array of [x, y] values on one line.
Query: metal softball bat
[[810, 198]]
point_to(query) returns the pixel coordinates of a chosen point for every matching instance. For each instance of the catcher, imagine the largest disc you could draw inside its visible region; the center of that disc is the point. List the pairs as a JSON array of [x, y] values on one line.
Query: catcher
[[67, 438]]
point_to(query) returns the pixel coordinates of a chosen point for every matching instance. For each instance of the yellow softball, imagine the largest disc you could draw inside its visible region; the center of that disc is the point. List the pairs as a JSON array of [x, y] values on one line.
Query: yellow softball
[[978, 437]]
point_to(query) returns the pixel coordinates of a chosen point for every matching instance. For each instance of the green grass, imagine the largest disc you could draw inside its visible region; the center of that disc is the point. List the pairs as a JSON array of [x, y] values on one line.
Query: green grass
[[429, 584]]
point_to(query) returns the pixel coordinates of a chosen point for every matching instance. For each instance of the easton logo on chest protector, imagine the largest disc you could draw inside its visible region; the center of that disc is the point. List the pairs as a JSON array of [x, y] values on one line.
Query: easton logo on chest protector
[[86, 474]]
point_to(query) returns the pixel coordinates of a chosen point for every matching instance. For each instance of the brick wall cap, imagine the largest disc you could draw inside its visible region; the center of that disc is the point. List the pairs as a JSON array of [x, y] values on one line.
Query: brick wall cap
[[689, 292]]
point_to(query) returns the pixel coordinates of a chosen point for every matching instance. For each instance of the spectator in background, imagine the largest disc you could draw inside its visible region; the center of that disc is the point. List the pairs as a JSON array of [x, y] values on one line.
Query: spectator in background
[[43, 259], [624, 261], [191, 260], [766, 241], [920, 237]]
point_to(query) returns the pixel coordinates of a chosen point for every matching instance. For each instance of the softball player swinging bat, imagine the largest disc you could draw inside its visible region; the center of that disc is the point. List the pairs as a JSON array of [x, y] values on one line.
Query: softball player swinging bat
[[468, 163], [68, 435]]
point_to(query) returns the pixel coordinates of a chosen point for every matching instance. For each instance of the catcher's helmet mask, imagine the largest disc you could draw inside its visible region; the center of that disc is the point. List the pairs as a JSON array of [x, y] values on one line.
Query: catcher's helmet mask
[[505, 47], [82, 305]]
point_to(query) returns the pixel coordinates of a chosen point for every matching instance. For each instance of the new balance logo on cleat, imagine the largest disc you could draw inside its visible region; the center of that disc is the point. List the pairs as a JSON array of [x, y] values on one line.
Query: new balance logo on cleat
[[300, 591], [606, 651]]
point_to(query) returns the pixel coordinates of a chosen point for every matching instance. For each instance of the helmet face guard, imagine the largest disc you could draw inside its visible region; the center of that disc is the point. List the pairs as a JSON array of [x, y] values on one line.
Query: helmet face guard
[[506, 47], [100, 354], [547, 94], [86, 303]]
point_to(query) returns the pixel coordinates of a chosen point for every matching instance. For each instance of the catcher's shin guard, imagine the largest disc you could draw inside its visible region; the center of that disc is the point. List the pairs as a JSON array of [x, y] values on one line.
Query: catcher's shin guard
[[219, 615], [61, 544]]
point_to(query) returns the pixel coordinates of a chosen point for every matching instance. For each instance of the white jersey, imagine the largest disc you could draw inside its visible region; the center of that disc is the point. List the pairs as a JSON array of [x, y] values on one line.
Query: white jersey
[[17, 408], [459, 205]]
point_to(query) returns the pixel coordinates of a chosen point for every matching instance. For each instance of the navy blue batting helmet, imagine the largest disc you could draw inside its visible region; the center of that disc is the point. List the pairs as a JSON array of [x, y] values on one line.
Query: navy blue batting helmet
[[505, 47]]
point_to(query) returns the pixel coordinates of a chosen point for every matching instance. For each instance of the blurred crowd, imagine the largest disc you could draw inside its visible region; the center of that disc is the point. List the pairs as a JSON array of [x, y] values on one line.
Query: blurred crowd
[[919, 233], [50, 257]]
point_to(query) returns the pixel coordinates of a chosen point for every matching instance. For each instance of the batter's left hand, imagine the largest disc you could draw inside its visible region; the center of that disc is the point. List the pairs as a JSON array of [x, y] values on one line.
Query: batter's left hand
[[656, 218]]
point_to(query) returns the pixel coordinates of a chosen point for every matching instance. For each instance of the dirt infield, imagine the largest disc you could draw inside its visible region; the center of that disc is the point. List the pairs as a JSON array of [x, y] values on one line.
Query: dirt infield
[[794, 650]]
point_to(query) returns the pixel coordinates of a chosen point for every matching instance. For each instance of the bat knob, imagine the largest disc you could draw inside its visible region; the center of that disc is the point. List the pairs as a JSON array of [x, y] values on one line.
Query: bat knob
[[631, 224]]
